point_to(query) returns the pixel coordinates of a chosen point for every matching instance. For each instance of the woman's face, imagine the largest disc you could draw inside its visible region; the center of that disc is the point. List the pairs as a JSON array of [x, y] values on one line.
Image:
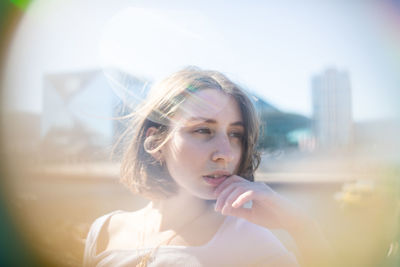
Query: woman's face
[[206, 143]]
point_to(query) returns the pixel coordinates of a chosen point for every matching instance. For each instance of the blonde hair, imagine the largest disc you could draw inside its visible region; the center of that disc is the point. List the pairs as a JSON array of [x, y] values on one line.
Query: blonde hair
[[140, 171]]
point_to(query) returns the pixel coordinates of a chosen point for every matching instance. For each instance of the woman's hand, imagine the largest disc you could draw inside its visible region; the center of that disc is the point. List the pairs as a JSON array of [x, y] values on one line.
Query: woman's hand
[[272, 211], [268, 209]]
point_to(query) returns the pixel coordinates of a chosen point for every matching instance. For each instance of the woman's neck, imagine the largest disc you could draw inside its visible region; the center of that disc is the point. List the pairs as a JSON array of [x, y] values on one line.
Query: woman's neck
[[176, 211]]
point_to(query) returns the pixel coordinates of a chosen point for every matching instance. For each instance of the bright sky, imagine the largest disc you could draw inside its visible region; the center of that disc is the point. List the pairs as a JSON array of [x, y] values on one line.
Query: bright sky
[[271, 47]]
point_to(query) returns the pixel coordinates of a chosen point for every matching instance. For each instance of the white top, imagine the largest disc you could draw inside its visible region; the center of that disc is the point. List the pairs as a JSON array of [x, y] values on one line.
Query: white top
[[236, 243]]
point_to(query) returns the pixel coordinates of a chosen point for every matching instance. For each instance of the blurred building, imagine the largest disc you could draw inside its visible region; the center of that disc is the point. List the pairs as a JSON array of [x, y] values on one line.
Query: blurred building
[[80, 110], [261, 105], [280, 130], [332, 109]]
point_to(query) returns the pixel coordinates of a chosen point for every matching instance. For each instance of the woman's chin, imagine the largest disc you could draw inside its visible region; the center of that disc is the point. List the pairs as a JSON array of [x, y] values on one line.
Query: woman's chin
[[205, 193], [207, 196]]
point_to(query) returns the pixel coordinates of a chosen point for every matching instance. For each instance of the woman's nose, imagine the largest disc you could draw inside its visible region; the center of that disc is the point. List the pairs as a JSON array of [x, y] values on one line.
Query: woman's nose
[[223, 150]]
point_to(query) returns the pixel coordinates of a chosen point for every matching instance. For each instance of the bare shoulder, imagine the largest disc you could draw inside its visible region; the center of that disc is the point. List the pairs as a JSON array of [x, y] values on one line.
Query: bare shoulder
[[121, 229], [122, 220], [256, 234]]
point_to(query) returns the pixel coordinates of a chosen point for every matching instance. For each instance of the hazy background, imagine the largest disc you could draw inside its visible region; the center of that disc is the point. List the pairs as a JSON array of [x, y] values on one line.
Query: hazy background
[[322, 74], [273, 48]]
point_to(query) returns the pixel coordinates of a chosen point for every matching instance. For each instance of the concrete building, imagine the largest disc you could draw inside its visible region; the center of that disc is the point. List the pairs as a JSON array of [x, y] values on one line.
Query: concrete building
[[332, 109], [80, 110]]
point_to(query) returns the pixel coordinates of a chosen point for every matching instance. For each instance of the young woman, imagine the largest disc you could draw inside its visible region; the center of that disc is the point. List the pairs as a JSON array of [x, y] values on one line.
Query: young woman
[[192, 153]]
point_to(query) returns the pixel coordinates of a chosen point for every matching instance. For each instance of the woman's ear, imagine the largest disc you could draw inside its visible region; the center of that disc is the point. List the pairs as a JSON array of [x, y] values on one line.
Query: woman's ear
[[151, 143], [151, 131]]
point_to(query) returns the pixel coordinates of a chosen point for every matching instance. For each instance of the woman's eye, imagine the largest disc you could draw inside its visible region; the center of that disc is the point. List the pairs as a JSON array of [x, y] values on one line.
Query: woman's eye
[[238, 135], [203, 131]]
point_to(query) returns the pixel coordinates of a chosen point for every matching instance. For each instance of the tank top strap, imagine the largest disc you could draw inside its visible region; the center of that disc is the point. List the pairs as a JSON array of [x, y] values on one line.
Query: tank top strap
[[93, 235]]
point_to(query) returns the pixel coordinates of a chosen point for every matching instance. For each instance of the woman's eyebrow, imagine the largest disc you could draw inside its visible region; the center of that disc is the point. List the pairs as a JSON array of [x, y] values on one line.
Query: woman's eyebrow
[[238, 123], [202, 119], [207, 120]]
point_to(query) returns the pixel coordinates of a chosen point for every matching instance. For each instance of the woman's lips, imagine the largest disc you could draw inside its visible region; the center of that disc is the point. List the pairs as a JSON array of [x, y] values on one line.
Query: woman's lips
[[215, 181]]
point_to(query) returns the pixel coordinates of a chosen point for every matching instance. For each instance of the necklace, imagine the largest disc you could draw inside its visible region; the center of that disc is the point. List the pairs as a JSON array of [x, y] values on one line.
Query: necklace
[[144, 260]]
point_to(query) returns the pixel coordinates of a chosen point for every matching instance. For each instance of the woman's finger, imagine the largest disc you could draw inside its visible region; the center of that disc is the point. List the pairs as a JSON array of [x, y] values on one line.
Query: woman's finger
[[232, 198], [221, 198], [227, 182], [243, 198], [240, 212]]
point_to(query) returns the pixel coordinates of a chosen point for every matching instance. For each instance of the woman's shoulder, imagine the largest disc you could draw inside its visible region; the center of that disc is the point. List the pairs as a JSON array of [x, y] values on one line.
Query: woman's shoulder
[[251, 233], [98, 226], [244, 243], [110, 221], [108, 226], [119, 220]]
